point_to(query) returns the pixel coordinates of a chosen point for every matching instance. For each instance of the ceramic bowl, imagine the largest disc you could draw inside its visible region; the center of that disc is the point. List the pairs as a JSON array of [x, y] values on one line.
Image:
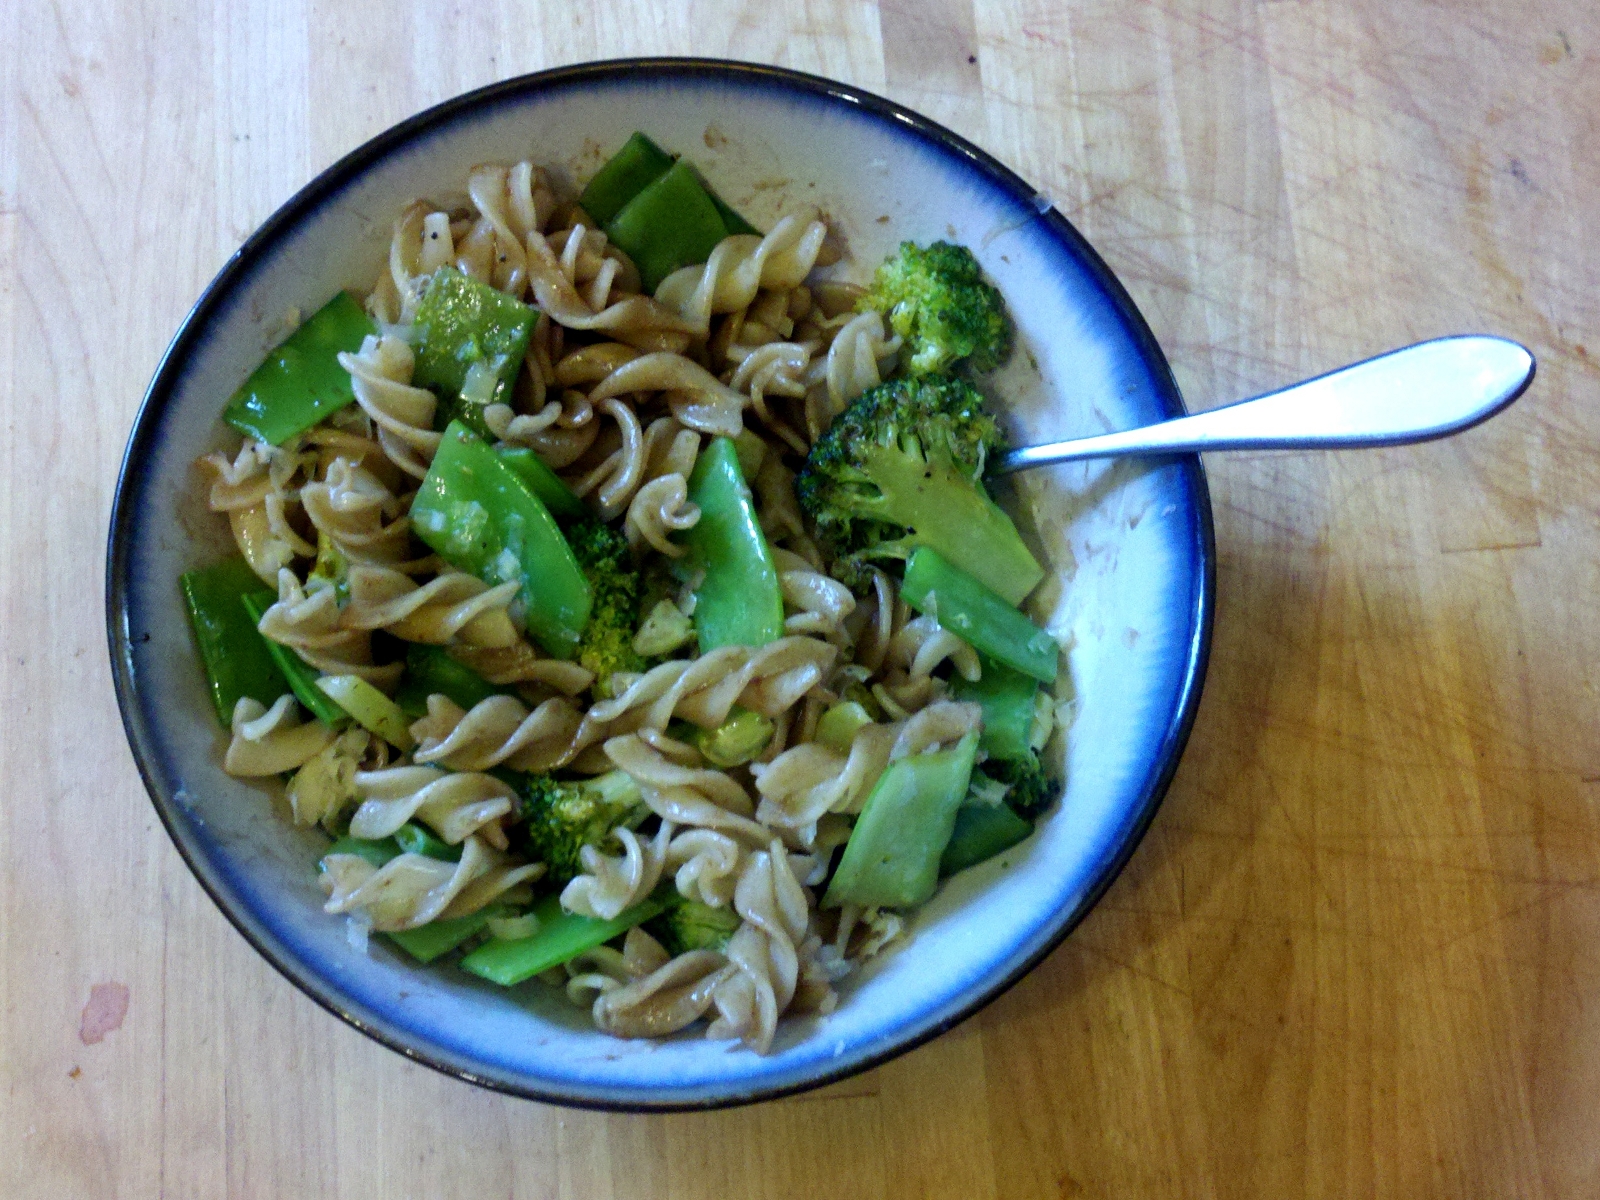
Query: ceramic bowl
[[1129, 552]]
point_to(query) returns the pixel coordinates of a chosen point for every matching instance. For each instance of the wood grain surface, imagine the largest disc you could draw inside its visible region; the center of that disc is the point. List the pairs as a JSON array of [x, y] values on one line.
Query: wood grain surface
[[1359, 951]]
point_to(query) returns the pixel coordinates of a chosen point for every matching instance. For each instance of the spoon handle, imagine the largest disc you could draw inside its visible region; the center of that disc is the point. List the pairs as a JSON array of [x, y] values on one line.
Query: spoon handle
[[1424, 391]]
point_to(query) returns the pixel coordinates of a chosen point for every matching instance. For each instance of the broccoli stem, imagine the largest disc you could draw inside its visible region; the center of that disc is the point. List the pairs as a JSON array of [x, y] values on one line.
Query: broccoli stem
[[235, 655], [944, 511], [973, 612], [301, 382], [892, 857], [561, 937], [372, 710]]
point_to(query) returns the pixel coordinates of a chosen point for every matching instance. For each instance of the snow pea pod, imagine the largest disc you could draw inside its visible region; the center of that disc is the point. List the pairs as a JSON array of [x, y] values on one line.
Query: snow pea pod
[[234, 653], [431, 671], [892, 857], [973, 612], [738, 601], [301, 382], [626, 173], [1009, 703], [670, 224], [561, 936], [981, 831], [543, 482], [479, 515], [302, 676], [471, 340]]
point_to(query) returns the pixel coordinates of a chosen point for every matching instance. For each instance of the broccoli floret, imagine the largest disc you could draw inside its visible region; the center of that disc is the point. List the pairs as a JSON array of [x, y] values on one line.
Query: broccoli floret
[[1029, 791], [560, 817], [692, 925], [902, 467], [607, 562], [937, 300]]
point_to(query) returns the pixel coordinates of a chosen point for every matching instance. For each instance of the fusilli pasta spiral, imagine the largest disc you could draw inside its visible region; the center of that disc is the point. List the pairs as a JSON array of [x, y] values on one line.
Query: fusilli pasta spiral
[[269, 741], [380, 375], [411, 890]]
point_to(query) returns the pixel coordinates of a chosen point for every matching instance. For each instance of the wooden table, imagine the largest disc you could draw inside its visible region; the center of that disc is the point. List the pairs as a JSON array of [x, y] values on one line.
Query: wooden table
[[1358, 953]]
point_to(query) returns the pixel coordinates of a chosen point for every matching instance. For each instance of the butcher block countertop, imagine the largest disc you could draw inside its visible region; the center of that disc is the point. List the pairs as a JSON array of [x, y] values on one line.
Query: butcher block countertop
[[1358, 953]]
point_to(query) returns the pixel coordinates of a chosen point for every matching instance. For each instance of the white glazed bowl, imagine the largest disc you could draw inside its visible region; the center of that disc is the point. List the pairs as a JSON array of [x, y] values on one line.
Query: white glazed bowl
[[1129, 551]]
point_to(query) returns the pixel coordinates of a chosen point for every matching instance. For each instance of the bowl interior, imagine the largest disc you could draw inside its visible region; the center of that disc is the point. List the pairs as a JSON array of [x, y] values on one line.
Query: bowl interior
[[1127, 549]]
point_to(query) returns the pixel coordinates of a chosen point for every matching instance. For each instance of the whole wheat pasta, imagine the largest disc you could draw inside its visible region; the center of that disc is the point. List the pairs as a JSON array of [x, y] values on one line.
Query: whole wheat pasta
[[380, 376], [453, 804], [739, 267], [269, 741]]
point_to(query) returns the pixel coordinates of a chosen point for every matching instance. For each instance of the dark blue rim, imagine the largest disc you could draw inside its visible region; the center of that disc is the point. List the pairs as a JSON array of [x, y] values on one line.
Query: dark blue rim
[[175, 360]]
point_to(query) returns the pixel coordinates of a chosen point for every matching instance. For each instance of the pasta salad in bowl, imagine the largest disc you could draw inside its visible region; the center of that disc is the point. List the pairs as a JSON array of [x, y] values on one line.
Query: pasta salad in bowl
[[561, 615]]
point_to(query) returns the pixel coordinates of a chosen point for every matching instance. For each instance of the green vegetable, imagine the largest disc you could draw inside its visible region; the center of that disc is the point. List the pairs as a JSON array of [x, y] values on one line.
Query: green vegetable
[[470, 343], [543, 482], [737, 600], [937, 300], [562, 936], [479, 516], [372, 710], [333, 566], [671, 223], [235, 655], [902, 467], [1009, 708], [431, 671], [639, 163], [977, 615], [414, 839], [301, 382], [892, 857], [692, 925], [730, 219], [604, 555], [837, 728], [301, 675], [560, 817], [375, 852], [736, 741], [427, 942], [1029, 791], [981, 831]]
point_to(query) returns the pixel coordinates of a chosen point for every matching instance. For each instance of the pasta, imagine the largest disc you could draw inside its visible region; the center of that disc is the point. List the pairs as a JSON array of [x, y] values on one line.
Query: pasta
[[699, 780]]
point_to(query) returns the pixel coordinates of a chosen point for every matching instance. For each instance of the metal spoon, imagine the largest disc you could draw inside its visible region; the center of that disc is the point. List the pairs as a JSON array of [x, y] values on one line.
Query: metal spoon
[[1429, 390]]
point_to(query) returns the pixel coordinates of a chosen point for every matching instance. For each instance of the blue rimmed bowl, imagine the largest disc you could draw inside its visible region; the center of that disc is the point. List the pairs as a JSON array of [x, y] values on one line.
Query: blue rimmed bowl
[[1129, 552]]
